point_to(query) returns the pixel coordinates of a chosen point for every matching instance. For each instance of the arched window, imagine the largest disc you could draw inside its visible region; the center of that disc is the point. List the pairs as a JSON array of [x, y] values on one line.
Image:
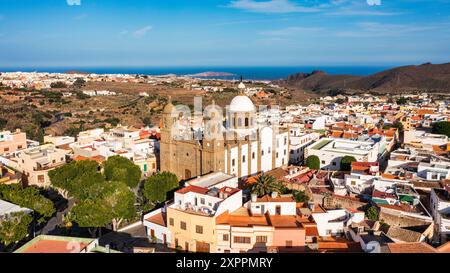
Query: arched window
[[239, 122]]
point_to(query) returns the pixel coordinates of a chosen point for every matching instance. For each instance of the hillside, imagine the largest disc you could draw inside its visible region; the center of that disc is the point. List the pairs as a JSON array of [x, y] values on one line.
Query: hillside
[[428, 77]]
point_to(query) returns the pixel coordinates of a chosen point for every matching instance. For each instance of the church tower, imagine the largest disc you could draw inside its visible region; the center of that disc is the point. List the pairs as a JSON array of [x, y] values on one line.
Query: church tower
[[168, 144], [213, 146]]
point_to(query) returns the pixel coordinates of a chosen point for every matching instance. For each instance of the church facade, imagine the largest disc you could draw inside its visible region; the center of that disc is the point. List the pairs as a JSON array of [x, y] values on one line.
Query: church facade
[[245, 149]]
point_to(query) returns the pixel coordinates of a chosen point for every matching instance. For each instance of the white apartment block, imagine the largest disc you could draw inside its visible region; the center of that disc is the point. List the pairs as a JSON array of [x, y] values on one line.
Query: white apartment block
[[423, 140], [331, 151], [434, 171], [299, 140], [440, 209]]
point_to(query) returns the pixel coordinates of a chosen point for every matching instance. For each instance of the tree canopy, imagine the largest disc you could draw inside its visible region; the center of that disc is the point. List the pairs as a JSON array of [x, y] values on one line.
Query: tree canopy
[[372, 213], [158, 187], [14, 227], [29, 197], [118, 168], [265, 184], [442, 128], [102, 199], [74, 179], [346, 163], [313, 162]]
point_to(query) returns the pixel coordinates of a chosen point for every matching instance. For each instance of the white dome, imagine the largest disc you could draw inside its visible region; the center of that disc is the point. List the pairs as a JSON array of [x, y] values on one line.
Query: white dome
[[241, 85], [242, 104]]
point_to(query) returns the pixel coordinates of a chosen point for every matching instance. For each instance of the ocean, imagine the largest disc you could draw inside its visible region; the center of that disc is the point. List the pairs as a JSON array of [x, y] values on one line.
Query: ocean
[[248, 73]]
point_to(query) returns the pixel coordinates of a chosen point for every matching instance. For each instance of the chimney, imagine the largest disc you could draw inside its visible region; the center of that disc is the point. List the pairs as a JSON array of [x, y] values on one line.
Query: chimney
[[274, 194], [254, 197]]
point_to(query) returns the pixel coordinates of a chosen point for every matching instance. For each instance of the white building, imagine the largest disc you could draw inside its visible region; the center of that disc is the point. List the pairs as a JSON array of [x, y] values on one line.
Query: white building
[[335, 222], [434, 171], [299, 140], [440, 210], [331, 151], [424, 140]]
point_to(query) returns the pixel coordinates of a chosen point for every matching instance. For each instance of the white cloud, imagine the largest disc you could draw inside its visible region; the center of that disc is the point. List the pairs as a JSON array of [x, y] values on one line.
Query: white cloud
[[291, 31], [142, 32], [73, 2], [272, 6], [374, 2]]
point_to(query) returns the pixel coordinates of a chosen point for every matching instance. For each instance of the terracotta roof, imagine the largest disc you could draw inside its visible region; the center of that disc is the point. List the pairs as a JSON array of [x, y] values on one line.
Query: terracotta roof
[[444, 248], [410, 248], [159, 219], [99, 159], [311, 231], [282, 221], [383, 195], [279, 199], [242, 220], [193, 189], [53, 246]]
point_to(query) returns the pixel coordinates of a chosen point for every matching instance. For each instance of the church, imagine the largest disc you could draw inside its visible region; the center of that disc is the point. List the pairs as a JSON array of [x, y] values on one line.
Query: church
[[243, 149]]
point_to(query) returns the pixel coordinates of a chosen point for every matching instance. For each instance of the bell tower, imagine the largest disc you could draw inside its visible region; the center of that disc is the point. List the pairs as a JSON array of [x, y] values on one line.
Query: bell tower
[[168, 144]]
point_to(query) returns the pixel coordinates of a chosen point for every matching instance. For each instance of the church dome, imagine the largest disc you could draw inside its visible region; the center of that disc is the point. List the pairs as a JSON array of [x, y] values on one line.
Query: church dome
[[242, 104], [241, 85]]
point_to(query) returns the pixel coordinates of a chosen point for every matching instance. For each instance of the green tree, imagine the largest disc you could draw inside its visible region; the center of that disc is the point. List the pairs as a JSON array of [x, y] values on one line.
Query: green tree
[[29, 197], [120, 202], [372, 213], [265, 184], [300, 196], [14, 227], [157, 187], [313, 162], [58, 85], [442, 128], [67, 179], [91, 214], [346, 163], [402, 101], [118, 168], [3, 123], [79, 83]]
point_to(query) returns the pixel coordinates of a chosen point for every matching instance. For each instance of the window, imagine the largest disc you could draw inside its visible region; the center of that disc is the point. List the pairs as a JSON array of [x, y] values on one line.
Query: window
[[246, 122], [199, 229], [261, 239], [171, 222], [202, 201], [183, 225], [323, 161], [277, 155], [233, 162], [19, 147], [243, 159], [334, 163], [242, 240], [289, 244], [226, 237], [253, 155], [6, 149]]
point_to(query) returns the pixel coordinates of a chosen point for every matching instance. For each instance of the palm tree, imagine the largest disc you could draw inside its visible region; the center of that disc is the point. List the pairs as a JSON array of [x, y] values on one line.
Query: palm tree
[[265, 184]]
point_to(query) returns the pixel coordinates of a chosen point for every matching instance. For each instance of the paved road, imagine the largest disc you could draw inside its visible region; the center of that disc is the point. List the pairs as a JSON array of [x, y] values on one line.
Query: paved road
[[56, 221]]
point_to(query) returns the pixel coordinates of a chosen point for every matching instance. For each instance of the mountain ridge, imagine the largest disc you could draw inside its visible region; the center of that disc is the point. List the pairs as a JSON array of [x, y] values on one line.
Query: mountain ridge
[[428, 77]]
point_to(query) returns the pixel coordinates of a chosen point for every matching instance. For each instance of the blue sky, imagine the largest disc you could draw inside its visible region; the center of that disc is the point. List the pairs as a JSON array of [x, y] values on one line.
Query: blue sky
[[83, 33]]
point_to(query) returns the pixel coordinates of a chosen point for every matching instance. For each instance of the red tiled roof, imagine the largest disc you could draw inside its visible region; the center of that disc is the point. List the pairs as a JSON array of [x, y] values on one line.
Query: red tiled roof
[[52, 246], [193, 189]]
